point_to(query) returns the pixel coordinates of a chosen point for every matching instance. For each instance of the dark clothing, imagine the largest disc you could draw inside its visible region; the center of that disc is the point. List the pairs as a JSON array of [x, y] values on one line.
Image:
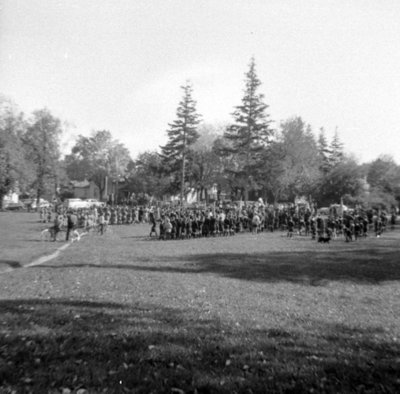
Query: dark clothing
[[57, 227], [72, 221]]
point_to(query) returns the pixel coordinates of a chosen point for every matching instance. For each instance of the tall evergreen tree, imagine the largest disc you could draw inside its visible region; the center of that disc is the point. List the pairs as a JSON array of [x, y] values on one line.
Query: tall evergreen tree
[[323, 151], [336, 150], [182, 134], [249, 135]]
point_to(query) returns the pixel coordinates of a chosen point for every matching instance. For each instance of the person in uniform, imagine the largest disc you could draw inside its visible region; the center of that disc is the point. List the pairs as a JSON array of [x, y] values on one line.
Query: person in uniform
[[72, 221]]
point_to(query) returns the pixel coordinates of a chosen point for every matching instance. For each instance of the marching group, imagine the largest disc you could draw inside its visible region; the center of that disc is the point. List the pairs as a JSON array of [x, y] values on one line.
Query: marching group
[[172, 223], [89, 219], [180, 224]]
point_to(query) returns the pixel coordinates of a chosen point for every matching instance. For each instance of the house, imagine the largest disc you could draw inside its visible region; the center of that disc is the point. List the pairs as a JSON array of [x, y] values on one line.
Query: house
[[83, 189], [10, 197]]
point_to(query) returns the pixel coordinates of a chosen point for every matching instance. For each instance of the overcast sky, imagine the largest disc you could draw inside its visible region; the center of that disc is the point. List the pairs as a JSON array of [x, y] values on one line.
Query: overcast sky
[[119, 65]]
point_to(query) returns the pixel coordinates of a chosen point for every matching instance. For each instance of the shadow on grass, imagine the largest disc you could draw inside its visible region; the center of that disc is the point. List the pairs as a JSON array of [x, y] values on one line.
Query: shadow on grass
[[11, 263], [369, 266], [312, 268], [106, 346], [138, 237]]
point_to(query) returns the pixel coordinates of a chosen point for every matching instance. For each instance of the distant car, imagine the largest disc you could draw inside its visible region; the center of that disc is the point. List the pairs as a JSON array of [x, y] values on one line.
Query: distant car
[[14, 206], [323, 211], [42, 204], [92, 202], [75, 203]]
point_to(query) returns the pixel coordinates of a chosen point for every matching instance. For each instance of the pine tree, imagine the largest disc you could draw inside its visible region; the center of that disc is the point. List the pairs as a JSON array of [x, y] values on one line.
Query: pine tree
[[323, 151], [336, 150], [182, 133], [249, 135]]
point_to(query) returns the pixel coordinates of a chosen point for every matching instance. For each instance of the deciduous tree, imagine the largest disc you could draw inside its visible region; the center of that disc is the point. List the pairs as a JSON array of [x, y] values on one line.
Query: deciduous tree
[[291, 162], [96, 158], [146, 175], [300, 162], [205, 165], [42, 142], [384, 178], [343, 179], [15, 171]]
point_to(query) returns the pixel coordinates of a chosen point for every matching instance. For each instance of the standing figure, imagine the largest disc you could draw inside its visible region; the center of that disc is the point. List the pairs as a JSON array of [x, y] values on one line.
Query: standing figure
[[72, 221]]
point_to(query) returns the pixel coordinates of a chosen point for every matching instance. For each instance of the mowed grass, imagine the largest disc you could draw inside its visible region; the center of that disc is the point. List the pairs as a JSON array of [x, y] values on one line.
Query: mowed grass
[[20, 241], [249, 313]]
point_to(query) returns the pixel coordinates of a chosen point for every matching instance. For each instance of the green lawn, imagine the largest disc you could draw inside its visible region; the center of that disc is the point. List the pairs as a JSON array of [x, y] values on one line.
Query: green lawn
[[20, 241], [251, 314]]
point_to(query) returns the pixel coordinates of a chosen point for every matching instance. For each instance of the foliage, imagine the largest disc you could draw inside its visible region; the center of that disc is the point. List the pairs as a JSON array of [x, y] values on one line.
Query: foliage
[[323, 151], [245, 140], [272, 174], [343, 179], [383, 175], [96, 158], [182, 134], [296, 172], [14, 170], [205, 165], [244, 157], [146, 175], [42, 143], [380, 199], [336, 150]]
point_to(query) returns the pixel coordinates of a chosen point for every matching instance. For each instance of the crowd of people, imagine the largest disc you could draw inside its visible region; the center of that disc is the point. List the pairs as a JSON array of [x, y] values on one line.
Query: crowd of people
[[91, 218], [183, 223], [351, 224]]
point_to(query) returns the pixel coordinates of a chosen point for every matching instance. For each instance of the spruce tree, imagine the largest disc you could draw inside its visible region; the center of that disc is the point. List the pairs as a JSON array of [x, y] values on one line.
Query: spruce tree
[[182, 133], [336, 150], [247, 138], [323, 151]]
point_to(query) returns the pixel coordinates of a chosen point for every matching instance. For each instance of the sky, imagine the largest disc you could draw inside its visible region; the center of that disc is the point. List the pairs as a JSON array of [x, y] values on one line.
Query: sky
[[120, 65]]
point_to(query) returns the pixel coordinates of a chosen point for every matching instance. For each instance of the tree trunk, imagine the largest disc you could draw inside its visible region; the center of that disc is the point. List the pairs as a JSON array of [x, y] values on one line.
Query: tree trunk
[[1, 200], [183, 171], [39, 192], [104, 190], [182, 180]]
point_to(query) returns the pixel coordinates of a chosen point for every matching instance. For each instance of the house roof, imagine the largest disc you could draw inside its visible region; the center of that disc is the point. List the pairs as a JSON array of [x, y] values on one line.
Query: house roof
[[81, 184]]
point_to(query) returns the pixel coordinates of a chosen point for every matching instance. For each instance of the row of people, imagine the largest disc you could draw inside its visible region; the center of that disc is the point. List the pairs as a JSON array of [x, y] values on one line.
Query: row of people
[[114, 214], [180, 225], [186, 224]]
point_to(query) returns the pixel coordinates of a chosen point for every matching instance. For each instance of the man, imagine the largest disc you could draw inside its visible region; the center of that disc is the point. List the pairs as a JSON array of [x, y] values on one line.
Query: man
[[72, 221], [57, 226], [102, 221], [153, 224]]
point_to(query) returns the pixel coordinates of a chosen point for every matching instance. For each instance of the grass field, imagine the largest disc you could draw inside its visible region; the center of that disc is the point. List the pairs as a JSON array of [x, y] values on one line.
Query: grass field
[[249, 313]]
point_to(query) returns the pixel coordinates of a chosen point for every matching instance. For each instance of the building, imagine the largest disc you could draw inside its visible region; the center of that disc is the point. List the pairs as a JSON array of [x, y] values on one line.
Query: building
[[83, 189]]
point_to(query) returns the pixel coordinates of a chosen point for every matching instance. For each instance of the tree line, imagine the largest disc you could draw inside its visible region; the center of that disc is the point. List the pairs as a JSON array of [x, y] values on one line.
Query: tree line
[[243, 160]]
